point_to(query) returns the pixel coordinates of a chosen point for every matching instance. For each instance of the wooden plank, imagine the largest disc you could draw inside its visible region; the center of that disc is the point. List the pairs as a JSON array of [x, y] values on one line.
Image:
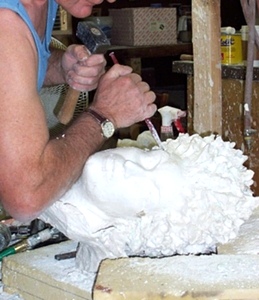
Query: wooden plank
[[209, 277], [127, 52], [36, 275], [207, 66]]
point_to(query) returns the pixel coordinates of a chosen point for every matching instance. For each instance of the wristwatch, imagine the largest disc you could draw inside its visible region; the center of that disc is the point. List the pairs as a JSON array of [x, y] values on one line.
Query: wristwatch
[[107, 126]]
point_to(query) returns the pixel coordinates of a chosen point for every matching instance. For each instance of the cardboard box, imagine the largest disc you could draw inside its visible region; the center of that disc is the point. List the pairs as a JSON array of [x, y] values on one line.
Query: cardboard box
[[144, 26]]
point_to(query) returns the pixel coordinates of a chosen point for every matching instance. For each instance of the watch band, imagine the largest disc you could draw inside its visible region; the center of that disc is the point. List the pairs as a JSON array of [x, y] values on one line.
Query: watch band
[[106, 125], [97, 116]]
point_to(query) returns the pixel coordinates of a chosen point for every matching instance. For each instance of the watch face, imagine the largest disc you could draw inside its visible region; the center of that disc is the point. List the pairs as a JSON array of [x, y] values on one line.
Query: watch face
[[107, 129]]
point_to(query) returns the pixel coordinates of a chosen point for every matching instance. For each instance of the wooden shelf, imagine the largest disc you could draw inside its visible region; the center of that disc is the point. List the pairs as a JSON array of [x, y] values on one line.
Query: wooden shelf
[[132, 56], [126, 52]]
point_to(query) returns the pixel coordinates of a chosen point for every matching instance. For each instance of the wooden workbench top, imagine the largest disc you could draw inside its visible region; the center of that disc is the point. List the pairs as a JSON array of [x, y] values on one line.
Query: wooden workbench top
[[180, 277]]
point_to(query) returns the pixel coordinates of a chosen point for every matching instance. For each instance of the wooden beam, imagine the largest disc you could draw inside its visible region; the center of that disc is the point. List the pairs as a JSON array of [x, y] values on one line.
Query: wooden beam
[[204, 277], [207, 66]]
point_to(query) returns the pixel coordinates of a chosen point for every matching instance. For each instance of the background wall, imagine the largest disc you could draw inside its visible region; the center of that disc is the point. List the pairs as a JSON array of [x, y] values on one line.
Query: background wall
[[232, 14], [158, 72], [231, 11]]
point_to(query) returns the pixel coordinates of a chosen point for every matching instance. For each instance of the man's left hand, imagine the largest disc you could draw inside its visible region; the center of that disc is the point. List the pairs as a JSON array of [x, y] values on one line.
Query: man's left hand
[[82, 69]]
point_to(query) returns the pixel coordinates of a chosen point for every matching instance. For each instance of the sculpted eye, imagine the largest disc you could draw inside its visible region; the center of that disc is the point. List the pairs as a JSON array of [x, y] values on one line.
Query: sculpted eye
[[132, 169], [152, 159]]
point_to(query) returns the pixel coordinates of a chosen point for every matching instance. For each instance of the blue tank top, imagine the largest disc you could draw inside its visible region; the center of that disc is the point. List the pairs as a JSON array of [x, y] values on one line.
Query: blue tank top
[[42, 46]]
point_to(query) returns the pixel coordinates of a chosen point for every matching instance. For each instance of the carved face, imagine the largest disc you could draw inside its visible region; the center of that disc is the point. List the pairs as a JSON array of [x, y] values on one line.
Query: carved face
[[128, 181]]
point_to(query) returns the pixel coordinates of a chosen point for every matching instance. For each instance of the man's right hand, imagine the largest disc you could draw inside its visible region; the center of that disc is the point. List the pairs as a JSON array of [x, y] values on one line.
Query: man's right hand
[[123, 97]]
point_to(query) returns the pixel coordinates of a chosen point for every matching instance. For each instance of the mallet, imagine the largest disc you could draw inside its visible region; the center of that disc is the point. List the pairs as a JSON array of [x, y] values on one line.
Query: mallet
[[96, 42]]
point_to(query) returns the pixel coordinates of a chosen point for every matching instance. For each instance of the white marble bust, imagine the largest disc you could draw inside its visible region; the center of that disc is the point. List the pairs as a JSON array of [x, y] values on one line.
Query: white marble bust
[[131, 201]]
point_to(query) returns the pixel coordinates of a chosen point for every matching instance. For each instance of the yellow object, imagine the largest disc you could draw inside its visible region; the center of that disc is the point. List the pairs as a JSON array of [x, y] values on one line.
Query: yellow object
[[231, 49]]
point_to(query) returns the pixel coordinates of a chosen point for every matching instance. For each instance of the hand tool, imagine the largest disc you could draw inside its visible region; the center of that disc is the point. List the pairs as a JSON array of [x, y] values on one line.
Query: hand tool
[[66, 255], [96, 42], [149, 124], [5, 236], [30, 242]]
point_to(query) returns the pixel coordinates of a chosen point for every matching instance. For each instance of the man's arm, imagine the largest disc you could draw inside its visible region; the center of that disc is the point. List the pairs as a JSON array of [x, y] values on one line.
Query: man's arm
[[36, 171]]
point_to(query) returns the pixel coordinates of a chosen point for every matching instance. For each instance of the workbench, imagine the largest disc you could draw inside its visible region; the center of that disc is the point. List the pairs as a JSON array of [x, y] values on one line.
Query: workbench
[[233, 84], [232, 274]]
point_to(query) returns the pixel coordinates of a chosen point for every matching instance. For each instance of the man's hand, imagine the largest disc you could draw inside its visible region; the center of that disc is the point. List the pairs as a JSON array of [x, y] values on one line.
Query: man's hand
[[82, 70], [123, 97]]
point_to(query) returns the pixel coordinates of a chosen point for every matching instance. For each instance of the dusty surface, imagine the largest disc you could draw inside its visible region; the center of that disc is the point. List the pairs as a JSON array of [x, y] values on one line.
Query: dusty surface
[[187, 277], [37, 275]]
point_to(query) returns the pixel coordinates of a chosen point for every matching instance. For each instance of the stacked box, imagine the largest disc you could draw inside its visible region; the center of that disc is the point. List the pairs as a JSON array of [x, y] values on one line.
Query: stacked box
[[144, 26]]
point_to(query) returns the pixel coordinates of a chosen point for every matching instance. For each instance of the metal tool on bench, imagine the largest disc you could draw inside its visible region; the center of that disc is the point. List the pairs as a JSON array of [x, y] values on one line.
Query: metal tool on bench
[[33, 241], [96, 41]]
